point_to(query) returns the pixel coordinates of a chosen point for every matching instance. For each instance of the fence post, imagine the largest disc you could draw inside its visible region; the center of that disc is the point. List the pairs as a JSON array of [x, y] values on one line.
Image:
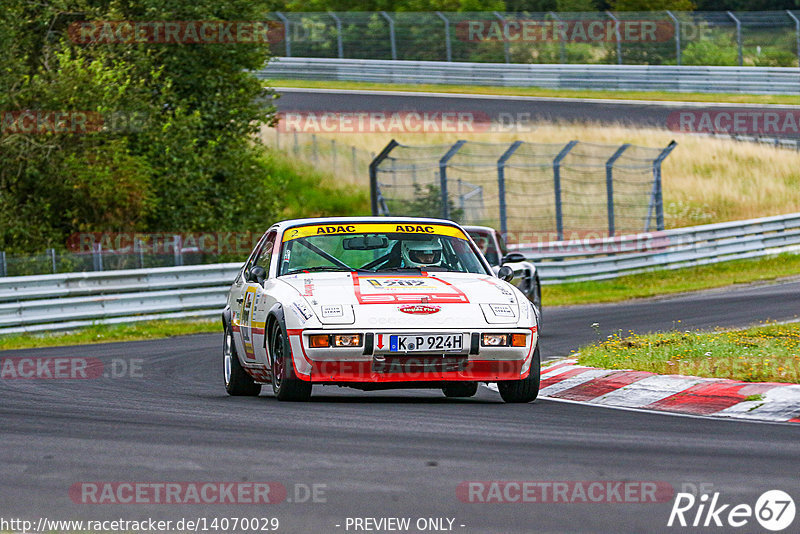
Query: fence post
[[443, 176], [501, 185], [296, 146], [677, 24], [353, 155], [796, 33], [3, 268], [656, 197], [287, 33], [610, 186], [339, 45], [391, 34], [562, 52], [52, 253], [97, 256], [314, 147], [333, 153], [373, 176], [617, 36], [738, 35], [448, 48], [505, 41], [557, 187]]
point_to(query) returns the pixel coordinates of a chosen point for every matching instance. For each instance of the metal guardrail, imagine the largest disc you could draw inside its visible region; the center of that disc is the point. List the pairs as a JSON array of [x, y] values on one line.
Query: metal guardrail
[[760, 80], [599, 259], [64, 301]]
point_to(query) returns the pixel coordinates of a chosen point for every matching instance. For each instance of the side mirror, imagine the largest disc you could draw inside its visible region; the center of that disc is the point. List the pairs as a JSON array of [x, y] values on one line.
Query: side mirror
[[505, 273], [514, 257], [257, 275]]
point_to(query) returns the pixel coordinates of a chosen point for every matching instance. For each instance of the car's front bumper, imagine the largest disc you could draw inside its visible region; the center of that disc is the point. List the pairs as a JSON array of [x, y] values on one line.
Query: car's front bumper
[[370, 363]]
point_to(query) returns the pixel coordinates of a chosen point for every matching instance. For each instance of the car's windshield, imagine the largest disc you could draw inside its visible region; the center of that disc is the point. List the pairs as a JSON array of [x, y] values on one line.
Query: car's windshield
[[376, 247]]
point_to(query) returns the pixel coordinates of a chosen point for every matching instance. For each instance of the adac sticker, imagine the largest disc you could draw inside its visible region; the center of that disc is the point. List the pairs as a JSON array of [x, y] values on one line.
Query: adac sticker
[[372, 228]]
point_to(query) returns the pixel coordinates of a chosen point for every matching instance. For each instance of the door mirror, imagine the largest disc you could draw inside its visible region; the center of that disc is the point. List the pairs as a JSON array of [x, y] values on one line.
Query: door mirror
[[257, 275], [505, 273], [513, 257]]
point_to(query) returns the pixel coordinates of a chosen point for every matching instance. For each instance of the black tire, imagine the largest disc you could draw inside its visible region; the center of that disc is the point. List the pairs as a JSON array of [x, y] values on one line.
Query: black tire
[[237, 382], [285, 385], [525, 390], [460, 389]]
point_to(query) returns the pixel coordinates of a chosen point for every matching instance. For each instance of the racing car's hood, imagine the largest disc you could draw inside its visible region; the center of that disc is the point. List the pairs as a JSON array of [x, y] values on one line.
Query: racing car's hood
[[408, 301]]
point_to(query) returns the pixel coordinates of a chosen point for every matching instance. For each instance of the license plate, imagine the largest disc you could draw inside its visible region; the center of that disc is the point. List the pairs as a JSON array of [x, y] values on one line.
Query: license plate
[[426, 343]]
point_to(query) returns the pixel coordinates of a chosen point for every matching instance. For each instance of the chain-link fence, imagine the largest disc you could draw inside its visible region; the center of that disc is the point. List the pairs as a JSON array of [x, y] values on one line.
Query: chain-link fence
[[526, 190], [762, 38]]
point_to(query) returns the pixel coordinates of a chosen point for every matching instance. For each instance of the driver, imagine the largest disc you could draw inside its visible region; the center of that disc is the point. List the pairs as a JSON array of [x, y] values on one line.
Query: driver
[[422, 253]]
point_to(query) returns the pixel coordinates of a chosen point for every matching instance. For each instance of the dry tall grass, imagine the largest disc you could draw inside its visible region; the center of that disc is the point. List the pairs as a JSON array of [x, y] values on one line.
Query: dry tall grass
[[705, 179]]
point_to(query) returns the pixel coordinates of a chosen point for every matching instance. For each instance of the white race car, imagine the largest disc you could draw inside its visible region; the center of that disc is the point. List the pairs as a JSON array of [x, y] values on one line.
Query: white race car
[[376, 303]]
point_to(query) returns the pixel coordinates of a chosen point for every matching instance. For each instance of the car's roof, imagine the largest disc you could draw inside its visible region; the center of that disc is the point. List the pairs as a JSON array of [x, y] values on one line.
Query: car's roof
[[335, 220]]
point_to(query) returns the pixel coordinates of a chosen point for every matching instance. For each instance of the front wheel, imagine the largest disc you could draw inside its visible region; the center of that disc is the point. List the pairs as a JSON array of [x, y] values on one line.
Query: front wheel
[[460, 389], [284, 385], [237, 381], [524, 390]]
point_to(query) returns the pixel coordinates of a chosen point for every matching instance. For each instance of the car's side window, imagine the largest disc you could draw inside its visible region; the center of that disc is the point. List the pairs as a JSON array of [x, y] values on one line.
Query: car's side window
[[501, 243], [265, 255], [255, 254]]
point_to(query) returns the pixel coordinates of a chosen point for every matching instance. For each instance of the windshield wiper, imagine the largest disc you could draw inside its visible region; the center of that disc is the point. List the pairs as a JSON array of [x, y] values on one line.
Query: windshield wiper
[[400, 269], [319, 269]]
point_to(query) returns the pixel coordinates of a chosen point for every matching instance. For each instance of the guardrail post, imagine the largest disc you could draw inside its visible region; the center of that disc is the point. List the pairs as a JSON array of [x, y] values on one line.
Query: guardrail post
[[557, 187], [617, 35], [443, 176], [97, 257], [52, 253], [391, 34], [610, 186], [448, 48], [501, 185], [375, 194], [339, 45], [506, 52], [562, 52], [3, 268], [677, 24], [738, 34], [656, 197], [287, 33], [796, 33]]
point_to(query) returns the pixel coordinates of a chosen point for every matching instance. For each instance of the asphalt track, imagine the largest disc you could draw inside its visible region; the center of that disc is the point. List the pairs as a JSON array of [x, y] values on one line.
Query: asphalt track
[[385, 454], [501, 108]]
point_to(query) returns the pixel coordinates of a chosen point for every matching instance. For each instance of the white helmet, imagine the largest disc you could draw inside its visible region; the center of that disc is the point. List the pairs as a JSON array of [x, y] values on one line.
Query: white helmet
[[422, 253]]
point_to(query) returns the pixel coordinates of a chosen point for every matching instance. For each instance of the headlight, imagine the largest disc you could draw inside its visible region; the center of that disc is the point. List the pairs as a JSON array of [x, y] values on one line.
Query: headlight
[[321, 341]]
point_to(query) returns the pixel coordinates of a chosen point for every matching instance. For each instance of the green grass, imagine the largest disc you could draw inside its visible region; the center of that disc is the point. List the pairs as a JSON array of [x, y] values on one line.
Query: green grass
[[768, 353], [536, 91], [107, 333], [657, 283]]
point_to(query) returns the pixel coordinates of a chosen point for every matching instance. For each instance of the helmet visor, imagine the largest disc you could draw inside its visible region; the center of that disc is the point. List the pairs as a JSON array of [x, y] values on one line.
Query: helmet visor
[[425, 257]]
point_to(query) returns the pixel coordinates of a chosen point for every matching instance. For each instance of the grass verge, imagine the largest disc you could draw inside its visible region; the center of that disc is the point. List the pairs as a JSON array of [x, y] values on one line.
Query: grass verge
[[106, 333], [537, 91], [768, 353], [669, 282]]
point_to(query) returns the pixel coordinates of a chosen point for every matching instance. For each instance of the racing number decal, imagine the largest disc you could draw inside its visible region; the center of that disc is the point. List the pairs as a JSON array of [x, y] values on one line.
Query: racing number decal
[[246, 324], [405, 289]]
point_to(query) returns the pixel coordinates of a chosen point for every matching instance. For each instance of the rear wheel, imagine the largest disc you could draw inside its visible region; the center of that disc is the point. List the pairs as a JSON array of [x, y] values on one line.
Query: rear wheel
[[524, 390], [285, 385], [237, 381], [460, 389]]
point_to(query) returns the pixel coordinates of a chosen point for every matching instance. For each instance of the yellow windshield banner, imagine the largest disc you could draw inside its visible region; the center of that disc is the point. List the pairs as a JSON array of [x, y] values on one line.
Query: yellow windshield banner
[[372, 228]]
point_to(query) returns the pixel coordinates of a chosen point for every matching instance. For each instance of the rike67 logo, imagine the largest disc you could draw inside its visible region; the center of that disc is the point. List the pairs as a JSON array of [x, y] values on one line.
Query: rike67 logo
[[774, 510]]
